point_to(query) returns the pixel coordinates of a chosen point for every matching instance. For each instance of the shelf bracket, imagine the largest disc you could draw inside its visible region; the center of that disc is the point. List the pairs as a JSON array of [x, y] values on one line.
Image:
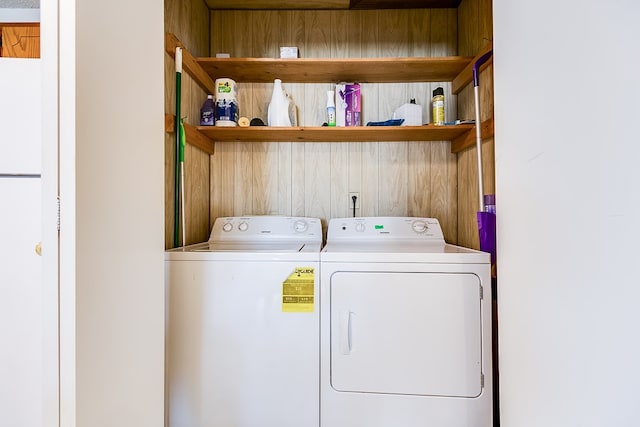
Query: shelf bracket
[[190, 64], [192, 134], [466, 76], [469, 139]]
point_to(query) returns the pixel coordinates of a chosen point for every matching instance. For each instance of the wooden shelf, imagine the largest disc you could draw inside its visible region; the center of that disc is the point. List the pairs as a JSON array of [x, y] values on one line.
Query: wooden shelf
[[323, 70], [191, 133], [320, 70], [334, 134], [204, 71]]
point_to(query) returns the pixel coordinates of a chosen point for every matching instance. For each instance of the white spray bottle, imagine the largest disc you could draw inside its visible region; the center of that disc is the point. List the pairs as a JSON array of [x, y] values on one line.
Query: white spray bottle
[[331, 108], [278, 112]]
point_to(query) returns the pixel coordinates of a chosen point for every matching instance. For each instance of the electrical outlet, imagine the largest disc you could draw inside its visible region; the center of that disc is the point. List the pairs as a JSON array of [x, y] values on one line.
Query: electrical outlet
[[351, 194]]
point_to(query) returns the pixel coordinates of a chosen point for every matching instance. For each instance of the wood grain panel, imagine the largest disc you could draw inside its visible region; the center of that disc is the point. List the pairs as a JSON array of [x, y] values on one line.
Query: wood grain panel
[[372, 25], [370, 194], [284, 173], [265, 162], [295, 182], [419, 186], [393, 176], [317, 160], [392, 179], [20, 40], [342, 173], [475, 31], [189, 21], [298, 173], [369, 43], [197, 195], [292, 33], [317, 192], [339, 181], [265, 155], [443, 172], [286, 177]]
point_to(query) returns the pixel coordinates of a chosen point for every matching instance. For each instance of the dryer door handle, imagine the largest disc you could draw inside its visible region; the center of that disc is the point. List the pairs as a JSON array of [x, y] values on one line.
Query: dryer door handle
[[346, 342]]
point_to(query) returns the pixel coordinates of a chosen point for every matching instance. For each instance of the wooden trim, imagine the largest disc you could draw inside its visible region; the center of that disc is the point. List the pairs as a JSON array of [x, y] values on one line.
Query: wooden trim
[[189, 64], [466, 76], [469, 139], [192, 135]]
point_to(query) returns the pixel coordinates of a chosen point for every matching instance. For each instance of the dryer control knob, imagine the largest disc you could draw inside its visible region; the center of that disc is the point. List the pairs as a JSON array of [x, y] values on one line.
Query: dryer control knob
[[300, 226], [360, 227], [419, 226], [243, 226], [227, 227]]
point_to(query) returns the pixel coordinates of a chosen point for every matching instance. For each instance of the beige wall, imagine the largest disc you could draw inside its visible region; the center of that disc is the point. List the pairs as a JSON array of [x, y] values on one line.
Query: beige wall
[[314, 179]]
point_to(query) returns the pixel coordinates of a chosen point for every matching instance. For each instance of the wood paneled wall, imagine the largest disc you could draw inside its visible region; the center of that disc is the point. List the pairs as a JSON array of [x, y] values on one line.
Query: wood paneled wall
[[189, 21], [314, 179], [475, 30]]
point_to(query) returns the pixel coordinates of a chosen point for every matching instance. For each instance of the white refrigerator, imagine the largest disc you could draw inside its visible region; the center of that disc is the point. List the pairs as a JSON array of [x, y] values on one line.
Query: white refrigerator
[[21, 320]]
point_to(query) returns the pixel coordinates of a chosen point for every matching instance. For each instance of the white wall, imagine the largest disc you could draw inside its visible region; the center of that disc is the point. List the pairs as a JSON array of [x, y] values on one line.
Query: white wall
[[112, 213], [567, 85]]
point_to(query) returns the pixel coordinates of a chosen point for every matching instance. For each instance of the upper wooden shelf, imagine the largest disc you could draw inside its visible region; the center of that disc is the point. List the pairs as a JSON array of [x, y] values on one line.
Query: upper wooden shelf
[[456, 69], [323, 70]]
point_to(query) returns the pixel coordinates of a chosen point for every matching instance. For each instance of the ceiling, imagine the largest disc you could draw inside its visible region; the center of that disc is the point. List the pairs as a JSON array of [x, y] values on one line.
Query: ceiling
[[330, 4]]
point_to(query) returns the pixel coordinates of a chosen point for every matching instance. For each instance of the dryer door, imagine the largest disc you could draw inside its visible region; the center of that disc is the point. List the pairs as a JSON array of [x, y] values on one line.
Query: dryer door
[[410, 333]]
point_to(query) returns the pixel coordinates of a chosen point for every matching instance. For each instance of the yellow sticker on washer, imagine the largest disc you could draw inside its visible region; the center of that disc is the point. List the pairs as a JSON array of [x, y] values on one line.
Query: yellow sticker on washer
[[297, 291]]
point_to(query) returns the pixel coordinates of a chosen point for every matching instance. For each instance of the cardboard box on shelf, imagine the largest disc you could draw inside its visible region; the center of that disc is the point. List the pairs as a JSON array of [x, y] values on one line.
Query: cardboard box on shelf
[[348, 104]]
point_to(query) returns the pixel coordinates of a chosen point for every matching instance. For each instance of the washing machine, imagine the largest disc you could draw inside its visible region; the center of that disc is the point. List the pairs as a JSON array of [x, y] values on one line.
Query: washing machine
[[405, 327], [243, 325]]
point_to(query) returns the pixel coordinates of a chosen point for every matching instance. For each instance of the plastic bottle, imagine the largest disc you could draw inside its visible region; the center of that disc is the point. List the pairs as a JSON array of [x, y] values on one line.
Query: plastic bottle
[[207, 112], [411, 113], [331, 108], [438, 106], [278, 112]]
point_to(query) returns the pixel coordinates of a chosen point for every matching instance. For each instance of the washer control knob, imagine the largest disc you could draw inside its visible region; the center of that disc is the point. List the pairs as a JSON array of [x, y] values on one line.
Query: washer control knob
[[360, 227], [300, 226], [419, 226], [227, 227], [243, 226]]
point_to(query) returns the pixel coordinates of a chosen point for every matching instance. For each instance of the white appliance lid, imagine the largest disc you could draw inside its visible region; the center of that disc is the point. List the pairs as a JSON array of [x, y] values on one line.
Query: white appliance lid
[[251, 247]]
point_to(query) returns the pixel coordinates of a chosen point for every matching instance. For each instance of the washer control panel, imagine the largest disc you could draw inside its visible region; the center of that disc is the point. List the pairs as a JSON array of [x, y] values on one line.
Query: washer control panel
[[245, 228], [391, 228]]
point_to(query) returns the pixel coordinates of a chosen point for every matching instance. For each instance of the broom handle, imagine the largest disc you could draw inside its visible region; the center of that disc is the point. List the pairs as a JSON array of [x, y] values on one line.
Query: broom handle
[[176, 222], [476, 96]]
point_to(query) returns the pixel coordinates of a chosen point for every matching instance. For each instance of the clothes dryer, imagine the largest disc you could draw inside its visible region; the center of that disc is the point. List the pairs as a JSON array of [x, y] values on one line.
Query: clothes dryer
[[405, 327], [243, 325]]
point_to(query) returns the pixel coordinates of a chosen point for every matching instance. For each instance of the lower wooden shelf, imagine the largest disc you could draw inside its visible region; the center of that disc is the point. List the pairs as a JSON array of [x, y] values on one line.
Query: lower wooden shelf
[[204, 137], [335, 134]]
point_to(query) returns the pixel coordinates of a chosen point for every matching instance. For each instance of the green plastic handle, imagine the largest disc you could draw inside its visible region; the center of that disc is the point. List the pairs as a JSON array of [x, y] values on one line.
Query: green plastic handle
[[182, 141]]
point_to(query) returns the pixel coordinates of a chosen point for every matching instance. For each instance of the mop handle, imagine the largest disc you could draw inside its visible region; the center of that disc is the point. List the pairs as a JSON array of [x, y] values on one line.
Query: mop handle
[[176, 210], [183, 214], [476, 95]]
